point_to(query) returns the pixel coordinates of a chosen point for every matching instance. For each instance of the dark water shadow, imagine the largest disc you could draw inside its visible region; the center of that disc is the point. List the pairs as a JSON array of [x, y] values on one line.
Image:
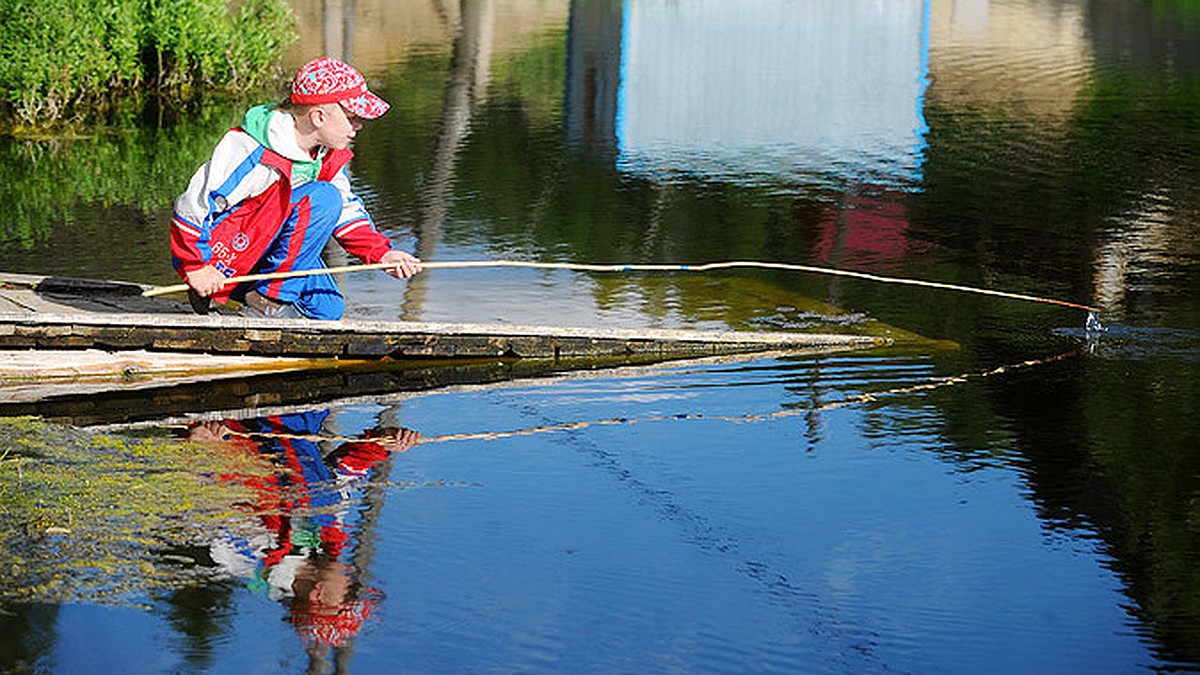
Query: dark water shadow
[[293, 388], [307, 388]]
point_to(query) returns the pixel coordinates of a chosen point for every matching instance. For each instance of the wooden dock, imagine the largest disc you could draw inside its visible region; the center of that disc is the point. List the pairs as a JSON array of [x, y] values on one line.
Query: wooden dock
[[85, 331]]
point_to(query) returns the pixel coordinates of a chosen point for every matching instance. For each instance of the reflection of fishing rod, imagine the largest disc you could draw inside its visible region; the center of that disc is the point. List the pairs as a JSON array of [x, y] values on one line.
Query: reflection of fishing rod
[[865, 397], [651, 267]]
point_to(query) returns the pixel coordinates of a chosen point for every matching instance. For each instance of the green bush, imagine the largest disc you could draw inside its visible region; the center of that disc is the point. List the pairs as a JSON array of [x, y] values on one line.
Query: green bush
[[60, 57]]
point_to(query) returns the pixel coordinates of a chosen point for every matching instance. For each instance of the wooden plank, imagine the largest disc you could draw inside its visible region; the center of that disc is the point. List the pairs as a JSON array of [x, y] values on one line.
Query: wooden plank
[[85, 365], [65, 340], [375, 339], [98, 350], [122, 402], [34, 376]]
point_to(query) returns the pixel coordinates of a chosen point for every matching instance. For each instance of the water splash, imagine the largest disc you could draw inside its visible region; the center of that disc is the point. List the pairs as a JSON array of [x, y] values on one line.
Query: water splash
[[1091, 331]]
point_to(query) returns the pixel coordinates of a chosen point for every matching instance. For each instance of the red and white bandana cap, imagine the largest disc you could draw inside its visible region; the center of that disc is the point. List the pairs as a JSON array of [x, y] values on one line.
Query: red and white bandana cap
[[327, 80]]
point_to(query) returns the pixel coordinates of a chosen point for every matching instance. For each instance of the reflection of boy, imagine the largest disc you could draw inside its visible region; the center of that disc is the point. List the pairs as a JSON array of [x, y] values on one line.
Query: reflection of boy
[[328, 606], [273, 194], [301, 509]]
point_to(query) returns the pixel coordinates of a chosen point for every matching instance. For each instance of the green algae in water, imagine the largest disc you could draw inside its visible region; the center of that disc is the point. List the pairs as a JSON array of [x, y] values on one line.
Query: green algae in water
[[87, 517]]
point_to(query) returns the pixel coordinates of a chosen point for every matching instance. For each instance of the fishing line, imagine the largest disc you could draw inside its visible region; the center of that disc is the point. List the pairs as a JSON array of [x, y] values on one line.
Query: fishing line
[[650, 267], [865, 397]]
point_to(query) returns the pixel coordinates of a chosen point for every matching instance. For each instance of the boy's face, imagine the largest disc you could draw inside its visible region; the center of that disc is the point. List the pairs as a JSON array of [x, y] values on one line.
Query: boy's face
[[335, 125]]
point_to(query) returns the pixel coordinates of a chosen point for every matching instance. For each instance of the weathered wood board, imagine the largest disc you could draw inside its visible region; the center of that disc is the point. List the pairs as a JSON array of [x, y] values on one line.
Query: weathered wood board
[[353, 339], [61, 336]]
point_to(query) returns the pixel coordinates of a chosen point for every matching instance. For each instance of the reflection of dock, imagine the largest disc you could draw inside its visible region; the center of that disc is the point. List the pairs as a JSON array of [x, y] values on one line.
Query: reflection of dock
[[74, 331]]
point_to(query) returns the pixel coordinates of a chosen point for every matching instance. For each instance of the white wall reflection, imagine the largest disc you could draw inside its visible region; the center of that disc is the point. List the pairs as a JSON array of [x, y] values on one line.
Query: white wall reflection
[[775, 88]]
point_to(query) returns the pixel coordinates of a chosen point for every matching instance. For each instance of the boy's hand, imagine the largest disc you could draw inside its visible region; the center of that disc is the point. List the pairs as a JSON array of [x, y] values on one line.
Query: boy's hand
[[406, 264], [205, 280]]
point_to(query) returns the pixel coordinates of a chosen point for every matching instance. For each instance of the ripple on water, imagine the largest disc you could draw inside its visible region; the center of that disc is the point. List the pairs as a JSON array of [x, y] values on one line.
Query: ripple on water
[[1138, 342]]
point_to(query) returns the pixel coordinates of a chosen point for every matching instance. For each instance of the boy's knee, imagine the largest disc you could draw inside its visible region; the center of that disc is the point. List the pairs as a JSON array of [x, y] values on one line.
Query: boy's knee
[[324, 199], [326, 304]]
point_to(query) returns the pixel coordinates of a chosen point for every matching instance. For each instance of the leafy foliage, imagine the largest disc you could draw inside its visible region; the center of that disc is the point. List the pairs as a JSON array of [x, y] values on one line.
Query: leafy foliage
[[57, 54]]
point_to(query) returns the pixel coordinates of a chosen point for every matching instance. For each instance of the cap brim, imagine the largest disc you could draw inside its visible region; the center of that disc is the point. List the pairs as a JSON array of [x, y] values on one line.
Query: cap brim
[[367, 106]]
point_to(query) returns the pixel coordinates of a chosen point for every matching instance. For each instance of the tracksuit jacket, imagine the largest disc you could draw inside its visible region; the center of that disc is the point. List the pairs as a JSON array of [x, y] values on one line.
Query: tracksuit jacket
[[236, 204]]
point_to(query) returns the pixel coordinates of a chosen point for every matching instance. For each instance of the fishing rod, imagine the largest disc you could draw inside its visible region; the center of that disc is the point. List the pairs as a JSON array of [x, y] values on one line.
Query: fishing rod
[[649, 267], [926, 384]]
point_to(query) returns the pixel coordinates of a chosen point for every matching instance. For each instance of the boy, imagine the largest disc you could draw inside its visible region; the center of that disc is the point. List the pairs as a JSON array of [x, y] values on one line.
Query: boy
[[272, 195]]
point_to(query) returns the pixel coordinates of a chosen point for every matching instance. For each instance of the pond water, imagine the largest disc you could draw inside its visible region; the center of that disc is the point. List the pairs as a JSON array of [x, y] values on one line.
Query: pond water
[[1001, 491]]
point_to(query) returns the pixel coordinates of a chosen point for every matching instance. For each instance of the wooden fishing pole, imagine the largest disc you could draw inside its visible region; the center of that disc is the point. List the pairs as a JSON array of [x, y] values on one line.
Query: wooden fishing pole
[[653, 267]]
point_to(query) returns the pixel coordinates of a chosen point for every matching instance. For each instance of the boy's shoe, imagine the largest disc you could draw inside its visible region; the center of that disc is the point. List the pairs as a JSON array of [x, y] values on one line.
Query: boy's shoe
[[200, 305], [257, 304]]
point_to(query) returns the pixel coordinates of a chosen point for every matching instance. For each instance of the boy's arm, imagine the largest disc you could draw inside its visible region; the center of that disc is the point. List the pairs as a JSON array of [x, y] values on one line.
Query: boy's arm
[[356, 233], [232, 174]]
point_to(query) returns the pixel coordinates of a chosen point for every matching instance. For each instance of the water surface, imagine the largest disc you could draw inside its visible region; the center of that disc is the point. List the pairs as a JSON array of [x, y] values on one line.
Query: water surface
[[1002, 491]]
